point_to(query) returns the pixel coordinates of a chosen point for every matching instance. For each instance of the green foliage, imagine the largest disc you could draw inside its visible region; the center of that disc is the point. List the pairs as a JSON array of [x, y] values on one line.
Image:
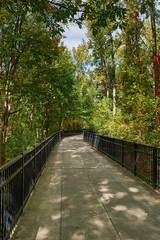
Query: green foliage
[[136, 104], [20, 141], [102, 116], [84, 83], [37, 87], [42, 89]]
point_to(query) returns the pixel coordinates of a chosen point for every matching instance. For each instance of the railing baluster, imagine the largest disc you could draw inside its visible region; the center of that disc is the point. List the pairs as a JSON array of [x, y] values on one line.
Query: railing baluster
[[135, 157], [154, 167], [122, 160], [22, 182]]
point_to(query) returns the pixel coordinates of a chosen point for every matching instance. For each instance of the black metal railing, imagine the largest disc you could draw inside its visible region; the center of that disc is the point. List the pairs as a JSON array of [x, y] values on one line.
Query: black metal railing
[[72, 132], [142, 160], [18, 178]]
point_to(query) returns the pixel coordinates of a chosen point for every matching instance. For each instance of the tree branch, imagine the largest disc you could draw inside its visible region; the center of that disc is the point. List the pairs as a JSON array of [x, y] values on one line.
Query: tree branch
[[20, 109], [67, 8]]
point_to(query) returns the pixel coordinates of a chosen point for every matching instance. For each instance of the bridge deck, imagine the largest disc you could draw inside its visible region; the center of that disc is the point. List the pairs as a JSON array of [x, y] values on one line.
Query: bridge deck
[[84, 195]]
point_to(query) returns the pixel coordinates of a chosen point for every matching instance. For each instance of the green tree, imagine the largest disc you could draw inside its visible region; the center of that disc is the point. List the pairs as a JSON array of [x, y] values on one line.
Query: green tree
[[135, 88], [85, 81], [134, 81], [104, 47], [31, 66]]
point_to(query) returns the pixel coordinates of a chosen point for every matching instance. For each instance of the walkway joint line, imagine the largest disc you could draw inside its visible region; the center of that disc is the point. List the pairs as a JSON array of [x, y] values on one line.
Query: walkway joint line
[[61, 205], [101, 202]]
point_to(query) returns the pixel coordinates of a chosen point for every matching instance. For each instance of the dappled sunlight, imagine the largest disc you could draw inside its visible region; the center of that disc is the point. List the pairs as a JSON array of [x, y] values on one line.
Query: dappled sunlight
[[138, 213], [91, 207], [132, 213], [55, 217], [104, 182], [87, 196], [57, 200], [120, 195], [98, 223], [79, 235], [133, 189], [103, 189], [106, 197], [150, 199], [42, 233], [64, 198], [82, 149], [120, 208], [69, 150], [96, 232], [74, 156]]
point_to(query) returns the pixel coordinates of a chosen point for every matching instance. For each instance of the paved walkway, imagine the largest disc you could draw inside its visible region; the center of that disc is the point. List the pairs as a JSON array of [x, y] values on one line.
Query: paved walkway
[[84, 195]]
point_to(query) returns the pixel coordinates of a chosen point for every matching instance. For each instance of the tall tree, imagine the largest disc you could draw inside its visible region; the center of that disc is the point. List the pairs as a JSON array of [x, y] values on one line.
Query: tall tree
[[148, 7], [104, 50], [85, 82], [27, 51]]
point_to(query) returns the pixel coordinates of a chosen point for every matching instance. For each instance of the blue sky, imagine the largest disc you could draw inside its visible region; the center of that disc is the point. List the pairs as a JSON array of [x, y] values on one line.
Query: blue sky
[[74, 36]]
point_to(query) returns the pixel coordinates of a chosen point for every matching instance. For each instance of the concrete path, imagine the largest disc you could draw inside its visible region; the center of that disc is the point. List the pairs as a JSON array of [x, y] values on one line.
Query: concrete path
[[84, 195]]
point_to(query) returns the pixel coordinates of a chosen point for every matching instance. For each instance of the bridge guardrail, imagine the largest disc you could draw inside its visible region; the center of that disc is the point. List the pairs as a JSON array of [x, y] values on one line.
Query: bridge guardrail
[[72, 132], [141, 160], [18, 178]]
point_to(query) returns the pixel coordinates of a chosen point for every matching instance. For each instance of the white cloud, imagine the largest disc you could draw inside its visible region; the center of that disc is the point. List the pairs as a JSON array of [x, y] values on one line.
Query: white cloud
[[74, 36], [72, 43]]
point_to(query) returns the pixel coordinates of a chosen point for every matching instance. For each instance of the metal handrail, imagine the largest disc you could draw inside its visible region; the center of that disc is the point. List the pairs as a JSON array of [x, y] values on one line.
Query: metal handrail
[[18, 178], [140, 159]]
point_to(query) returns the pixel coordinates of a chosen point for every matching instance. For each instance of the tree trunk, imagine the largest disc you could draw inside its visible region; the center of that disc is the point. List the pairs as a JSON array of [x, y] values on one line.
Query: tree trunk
[[154, 34], [6, 104], [113, 76], [2, 150], [4, 122], [114, 97], [156, 62], [107, 78]]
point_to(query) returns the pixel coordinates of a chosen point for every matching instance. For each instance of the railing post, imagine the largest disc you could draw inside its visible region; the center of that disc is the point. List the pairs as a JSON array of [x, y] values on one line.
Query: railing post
[[40, 158], [99, 143], [1, 211], [44, 153], [22, 182], [102, 141], [135, 159], [2, 215], [46, 149], [122, 162], [34, 164], [106, 146], [154, 180], [113, 148]]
